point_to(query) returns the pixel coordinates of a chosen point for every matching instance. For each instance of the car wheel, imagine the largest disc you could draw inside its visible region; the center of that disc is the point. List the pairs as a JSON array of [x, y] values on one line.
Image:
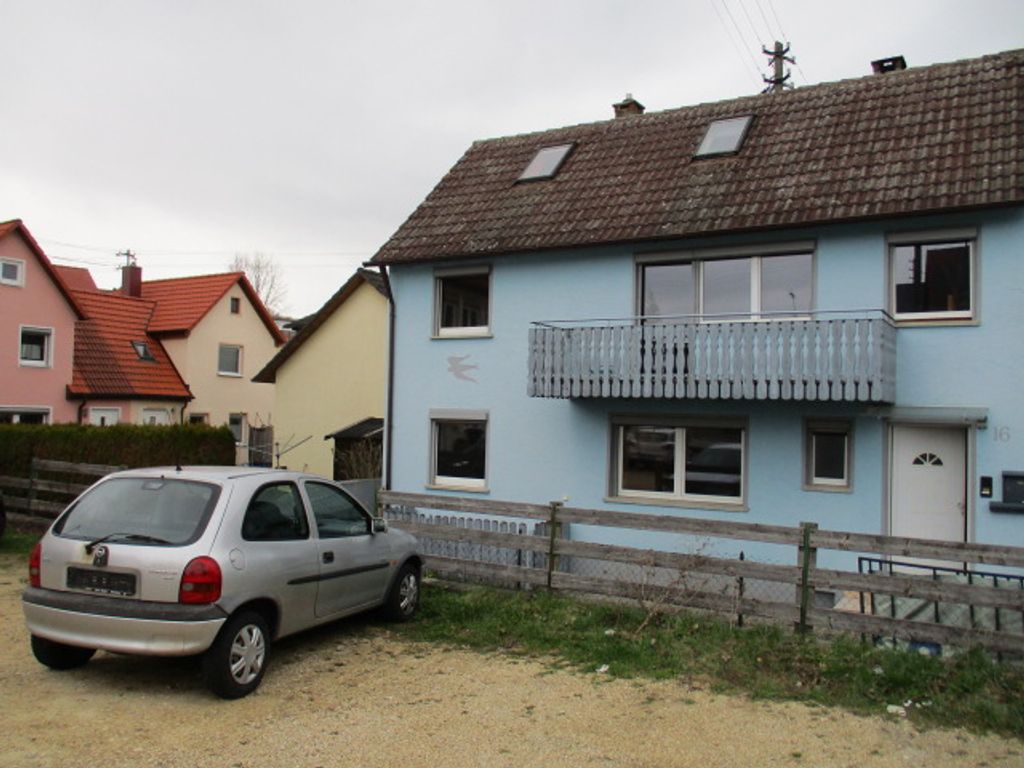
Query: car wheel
[[234, 665], [404, 597], [58, 655]]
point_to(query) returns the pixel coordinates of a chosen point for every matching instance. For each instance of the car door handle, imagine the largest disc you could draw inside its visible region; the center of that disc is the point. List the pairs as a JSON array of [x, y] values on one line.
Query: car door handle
[[328, 557]]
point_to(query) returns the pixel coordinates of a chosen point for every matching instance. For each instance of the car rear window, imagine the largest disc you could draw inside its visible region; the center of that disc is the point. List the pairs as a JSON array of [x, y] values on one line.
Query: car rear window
[[175, 511]]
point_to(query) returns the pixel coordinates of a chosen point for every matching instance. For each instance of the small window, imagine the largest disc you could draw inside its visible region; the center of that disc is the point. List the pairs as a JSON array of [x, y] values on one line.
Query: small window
[[275, 514], [229, 360], [12, 272], [546, 162], [462, 300], [828, 455], [724, 137], [104, 417], [932, 281], [155, 417], [335, 513], [236, 305], [236, 423], [460, 453], [199, 418], [142, 350], [35, 347], [690, 463]]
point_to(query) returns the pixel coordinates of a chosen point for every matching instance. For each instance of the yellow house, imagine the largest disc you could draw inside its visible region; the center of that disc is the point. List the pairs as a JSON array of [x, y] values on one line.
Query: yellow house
[[330, 384]]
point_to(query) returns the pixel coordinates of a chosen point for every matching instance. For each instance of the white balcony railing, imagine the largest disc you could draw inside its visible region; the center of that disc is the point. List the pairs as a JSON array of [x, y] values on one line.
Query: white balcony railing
[[818, 356]]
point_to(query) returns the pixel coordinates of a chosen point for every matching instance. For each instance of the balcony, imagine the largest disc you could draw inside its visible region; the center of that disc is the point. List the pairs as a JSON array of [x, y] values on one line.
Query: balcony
[[819, 356]]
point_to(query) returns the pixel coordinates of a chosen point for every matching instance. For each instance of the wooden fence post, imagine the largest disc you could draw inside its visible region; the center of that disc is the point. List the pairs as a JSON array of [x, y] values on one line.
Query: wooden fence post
[[33, 475], [807, 560], [552, 535]]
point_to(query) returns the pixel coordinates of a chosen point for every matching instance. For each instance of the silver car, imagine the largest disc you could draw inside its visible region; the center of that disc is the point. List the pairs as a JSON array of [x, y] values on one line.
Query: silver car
[[213, 560]]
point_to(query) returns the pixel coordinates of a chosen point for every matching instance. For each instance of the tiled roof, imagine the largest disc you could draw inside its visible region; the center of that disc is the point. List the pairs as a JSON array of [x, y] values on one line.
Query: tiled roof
[[269, 373], [76, 278], [16, 225], [106, 364], [937, 138], [181, 302]]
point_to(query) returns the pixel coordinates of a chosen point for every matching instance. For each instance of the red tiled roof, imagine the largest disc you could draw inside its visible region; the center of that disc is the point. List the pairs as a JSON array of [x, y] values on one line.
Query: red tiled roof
[[16, 225], [938, 138], [181, 302], [76, 278], [106, 364]]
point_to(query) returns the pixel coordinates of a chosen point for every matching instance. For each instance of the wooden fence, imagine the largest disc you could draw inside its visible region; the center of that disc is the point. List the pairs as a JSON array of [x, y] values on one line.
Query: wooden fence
[[803, 577], [37, 499]]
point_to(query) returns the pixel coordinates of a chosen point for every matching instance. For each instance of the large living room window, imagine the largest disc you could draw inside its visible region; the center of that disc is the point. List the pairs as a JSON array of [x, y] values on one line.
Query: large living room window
[[462, 302], [679, 461], [932, 279], [726, 288]]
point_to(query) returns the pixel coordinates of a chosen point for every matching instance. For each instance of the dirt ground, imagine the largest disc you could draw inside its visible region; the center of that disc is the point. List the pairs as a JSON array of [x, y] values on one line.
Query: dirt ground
[[354, 695]]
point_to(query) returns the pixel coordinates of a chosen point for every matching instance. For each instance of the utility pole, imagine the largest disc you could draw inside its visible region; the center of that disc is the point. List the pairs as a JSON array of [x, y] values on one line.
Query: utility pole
[[779, 80], [129, 257]]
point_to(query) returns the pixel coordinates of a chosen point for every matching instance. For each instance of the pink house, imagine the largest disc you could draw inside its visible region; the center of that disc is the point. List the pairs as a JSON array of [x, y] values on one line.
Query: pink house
[[37, 332]]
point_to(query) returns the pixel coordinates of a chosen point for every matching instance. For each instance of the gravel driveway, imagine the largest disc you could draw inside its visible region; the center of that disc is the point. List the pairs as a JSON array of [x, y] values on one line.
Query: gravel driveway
[[355, 695]]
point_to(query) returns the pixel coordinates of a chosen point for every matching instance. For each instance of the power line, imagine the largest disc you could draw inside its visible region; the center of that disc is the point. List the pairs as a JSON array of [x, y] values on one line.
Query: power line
[[176, 252], [736, 47], [750, 21], [767, 24], [739, 33]]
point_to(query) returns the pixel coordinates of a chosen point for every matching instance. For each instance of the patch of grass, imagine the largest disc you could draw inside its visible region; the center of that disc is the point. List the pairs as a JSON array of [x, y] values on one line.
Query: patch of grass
[[768, 662], [17, 543]]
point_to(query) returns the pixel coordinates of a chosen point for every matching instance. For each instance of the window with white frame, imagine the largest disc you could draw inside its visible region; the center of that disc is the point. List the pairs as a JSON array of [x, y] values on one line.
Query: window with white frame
[[12, 272], [462, 302], [16, 415], [229, 360], [932, 279], [459, 449], [727, 286], [671, 460], [236, 423], [827, 464], [104, 417], [35, 347]]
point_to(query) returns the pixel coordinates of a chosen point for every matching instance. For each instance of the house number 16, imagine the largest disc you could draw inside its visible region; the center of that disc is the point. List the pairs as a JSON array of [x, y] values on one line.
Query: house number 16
[[1001, 434]]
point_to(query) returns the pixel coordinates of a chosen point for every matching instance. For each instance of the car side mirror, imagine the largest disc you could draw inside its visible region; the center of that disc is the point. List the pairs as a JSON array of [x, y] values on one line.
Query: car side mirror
[[380, 525]]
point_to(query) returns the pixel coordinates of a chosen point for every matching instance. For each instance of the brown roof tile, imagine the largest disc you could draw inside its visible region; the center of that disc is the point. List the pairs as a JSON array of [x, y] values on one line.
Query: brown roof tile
[[929, 139]]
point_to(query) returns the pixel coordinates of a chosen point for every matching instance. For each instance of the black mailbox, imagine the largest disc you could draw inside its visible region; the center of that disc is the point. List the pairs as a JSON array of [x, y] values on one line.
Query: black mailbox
[[1013, 494]]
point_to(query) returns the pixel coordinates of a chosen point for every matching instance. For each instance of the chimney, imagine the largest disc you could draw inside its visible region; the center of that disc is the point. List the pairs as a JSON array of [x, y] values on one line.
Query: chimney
[[131, 276], [891, 64], [628, 106]]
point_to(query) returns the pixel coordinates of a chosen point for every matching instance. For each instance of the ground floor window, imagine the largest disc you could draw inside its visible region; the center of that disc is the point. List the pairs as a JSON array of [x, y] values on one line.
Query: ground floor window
[[459, 449], [827, 455], [104, 417], [684, 461], [236, 423], [24, 416]]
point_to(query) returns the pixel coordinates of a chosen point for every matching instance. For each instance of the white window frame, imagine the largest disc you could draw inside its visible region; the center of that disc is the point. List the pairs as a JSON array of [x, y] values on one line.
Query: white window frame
[[47, 361], [756, 254], [164, 413], [201, 417], [17, 410], [678, 495], [240, 439], [101, 411], [461, 332], [235, 373], [932, 238], [19, 280], [438, 417], [814, 427]]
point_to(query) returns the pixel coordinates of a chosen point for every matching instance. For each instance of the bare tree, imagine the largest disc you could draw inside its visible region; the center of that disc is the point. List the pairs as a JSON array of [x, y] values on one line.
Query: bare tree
[[265, 275]]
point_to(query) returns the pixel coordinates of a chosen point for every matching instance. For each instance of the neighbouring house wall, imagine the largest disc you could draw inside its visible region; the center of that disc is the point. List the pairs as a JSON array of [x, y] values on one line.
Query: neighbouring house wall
[[195, 357], [540, 450], [335, 379], [37, 303]]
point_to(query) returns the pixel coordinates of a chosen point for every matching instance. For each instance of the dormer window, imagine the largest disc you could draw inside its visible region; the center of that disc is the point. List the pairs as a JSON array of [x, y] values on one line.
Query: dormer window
[[724, 137], [546, 162], [142, 350]]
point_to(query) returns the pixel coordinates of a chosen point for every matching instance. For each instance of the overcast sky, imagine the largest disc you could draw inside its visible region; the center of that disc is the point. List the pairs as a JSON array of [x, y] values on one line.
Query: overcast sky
[[192, 130]]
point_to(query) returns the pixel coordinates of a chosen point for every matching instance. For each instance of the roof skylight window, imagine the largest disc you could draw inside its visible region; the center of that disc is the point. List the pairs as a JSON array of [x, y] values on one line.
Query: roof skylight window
[[546, 162], [142, 350], [724, 137]]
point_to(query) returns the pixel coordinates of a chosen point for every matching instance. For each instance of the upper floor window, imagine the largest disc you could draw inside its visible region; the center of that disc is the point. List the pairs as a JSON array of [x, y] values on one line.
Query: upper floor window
[[546, 162], [35, 348], [12, 272], [143, 351], [745, 286], [229, 360], [932, 280], [236, 305], [462, 302], [724, 137]]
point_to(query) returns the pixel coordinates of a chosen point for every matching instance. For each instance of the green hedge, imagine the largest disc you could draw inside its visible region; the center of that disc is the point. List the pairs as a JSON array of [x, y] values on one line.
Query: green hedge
[[121, 444]]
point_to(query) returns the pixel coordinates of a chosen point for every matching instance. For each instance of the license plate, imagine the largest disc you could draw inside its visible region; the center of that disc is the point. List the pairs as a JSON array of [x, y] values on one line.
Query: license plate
[[101, 581]]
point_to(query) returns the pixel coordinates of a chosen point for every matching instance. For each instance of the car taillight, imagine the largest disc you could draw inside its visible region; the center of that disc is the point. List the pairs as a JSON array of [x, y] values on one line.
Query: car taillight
[[201, 582], [35, 558]]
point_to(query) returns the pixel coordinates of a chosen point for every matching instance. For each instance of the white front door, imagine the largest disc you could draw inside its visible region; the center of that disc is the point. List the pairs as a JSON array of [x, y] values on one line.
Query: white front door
[[929, 482]]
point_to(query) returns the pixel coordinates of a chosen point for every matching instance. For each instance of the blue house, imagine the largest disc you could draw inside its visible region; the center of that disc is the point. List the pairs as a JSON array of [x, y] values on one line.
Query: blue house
[[797, 306]]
